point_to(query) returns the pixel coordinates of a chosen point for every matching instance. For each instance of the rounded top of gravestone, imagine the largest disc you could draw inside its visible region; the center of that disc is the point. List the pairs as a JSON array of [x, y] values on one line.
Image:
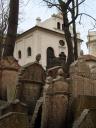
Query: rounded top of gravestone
[[49, 79], [80, 67], [60, 72], [38, 58]]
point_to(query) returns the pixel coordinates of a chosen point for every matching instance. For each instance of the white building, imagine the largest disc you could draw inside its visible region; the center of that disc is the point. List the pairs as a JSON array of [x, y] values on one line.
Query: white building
[[92, 43], [43, 37]]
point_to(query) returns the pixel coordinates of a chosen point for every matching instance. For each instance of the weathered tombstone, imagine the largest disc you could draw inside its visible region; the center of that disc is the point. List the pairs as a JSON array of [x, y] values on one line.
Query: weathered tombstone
[[30, 85], [8, 78], [82, 78], [83, 82], [55, 102]]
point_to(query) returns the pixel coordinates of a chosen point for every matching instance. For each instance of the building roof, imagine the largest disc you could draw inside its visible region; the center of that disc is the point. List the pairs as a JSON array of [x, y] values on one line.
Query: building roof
[[88, 57], [59, 32], [39, 28], [91, 41], [91, 37]]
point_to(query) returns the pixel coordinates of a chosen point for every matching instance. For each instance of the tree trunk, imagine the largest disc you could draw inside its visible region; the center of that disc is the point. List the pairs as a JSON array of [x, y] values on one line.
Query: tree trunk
[[68, 38], [0, 46], [75, 41], [74, 32], [12, 28]]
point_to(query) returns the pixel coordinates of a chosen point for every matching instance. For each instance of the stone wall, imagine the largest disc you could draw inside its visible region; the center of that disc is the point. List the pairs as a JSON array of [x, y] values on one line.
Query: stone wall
[[14, 120]]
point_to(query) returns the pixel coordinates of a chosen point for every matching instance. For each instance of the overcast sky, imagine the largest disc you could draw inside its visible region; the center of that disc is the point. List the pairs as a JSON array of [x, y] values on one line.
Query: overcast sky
[[36, 8]]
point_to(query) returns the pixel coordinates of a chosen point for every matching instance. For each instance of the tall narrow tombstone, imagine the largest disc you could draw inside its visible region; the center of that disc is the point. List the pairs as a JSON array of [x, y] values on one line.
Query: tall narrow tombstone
[[55, 103]]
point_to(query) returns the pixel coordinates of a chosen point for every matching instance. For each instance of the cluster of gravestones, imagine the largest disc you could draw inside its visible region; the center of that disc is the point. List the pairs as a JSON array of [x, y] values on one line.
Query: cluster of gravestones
[[40, 93], [67, 102], [55, 101], [51, 100]]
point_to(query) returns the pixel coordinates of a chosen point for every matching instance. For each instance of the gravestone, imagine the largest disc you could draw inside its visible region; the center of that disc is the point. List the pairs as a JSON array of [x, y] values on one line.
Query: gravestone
[[30, 84], [9, 69], [82, 78], [55, 103]]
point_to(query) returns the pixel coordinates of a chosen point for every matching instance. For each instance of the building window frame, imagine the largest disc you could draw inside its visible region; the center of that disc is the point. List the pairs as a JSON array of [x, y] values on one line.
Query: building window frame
[[29, 51], [19, 54], [63, 27], [58, 25]]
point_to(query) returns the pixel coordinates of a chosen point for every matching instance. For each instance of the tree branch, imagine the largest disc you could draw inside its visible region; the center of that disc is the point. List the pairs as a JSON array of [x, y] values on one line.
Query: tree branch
[[87, 15], [50, 4], [68, 3]]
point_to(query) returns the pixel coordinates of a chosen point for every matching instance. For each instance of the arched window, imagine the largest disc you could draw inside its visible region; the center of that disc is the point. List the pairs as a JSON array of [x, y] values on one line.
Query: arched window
[[50, 56], [29, 51], [58, 25], [19, 54], [62, 26]]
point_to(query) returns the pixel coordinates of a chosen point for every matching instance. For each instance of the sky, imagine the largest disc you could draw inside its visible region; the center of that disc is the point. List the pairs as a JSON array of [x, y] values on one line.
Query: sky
[[31, 9]]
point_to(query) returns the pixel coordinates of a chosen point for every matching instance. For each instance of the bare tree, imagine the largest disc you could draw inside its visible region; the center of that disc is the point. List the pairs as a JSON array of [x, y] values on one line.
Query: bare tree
[[3, 22], [64, 10], [12, 28], [69, 7], [74, 14]]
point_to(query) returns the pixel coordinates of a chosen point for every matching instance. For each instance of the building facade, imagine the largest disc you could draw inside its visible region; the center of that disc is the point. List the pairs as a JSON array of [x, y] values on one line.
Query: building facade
[[92, 43], [44, 38]]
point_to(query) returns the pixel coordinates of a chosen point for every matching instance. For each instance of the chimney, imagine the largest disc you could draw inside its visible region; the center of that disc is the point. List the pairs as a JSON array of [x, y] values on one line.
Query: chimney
[[38, 20]]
